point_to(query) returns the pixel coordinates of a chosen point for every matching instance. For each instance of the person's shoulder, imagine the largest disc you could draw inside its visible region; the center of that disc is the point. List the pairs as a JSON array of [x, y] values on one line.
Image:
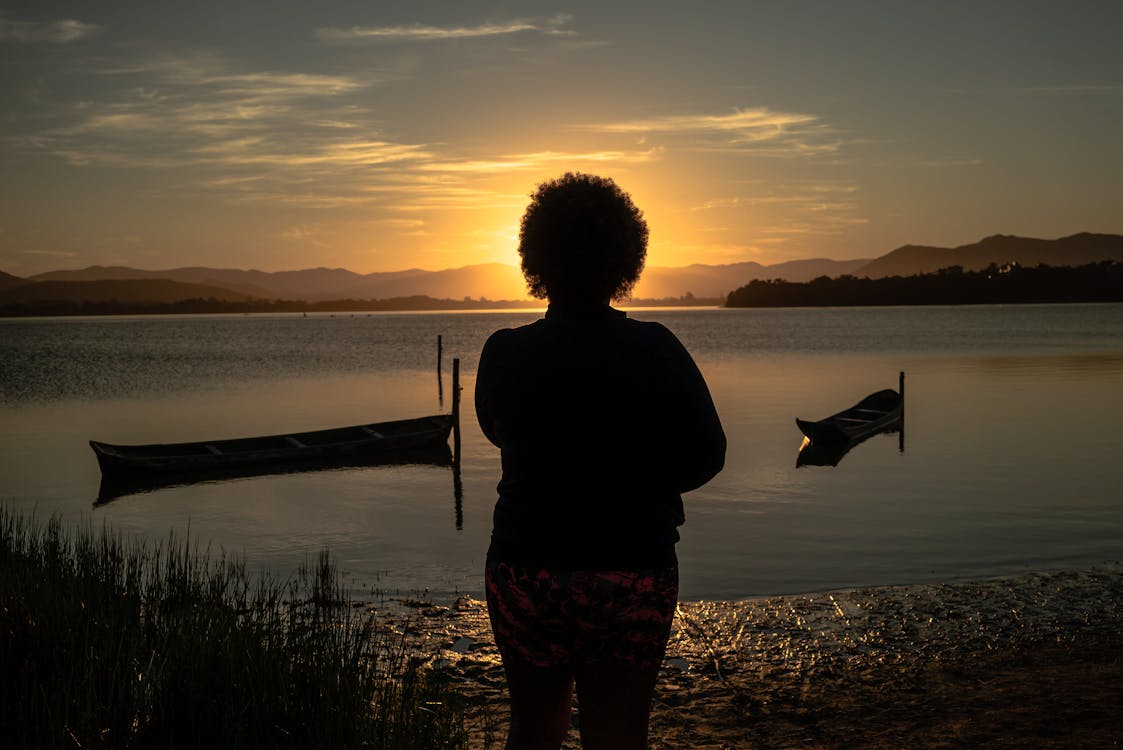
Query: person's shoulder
[[498, 339], [656, 338], [652, 329], [500, 334], [646, 325], [505, 337]]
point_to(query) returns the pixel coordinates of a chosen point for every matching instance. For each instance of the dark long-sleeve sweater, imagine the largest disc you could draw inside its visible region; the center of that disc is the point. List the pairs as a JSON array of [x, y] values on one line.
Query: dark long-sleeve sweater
[[602, 422]]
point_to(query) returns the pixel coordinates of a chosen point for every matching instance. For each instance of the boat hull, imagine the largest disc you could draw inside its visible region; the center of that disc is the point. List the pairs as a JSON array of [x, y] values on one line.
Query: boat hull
[[297, 448], [878, 412]]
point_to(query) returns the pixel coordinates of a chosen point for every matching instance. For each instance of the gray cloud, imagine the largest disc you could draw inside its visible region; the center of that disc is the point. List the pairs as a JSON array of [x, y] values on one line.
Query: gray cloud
[[51, 32], [755, 131], [758, 123], [426, 33]]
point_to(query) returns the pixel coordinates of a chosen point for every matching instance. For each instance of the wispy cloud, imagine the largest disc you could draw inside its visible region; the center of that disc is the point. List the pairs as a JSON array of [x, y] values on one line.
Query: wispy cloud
[[414, 225], [816, 196], [421, 33], [247, 136], [543, 158], [203, 69], [758, 131], [426, 33], [196, 111], [405, 179], [951, 161], [303, 234], [797, 209], [420, 198], [48, 253], [539, 160], [749, 122], [51, 32], [353, 153]]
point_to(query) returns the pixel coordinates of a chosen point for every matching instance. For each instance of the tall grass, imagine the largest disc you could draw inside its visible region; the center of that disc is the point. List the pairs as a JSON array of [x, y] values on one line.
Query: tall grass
[[106, 643]]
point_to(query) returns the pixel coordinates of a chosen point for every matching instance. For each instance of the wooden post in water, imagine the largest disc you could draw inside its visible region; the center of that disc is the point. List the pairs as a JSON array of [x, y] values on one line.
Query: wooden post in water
[[901, 434], [457, 485], [456, 412], [458, 497], [440, 378]]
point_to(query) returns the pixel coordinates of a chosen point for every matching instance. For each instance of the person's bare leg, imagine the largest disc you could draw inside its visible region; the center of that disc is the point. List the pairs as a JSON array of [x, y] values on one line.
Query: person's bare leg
[[614, 704], [541, 704]]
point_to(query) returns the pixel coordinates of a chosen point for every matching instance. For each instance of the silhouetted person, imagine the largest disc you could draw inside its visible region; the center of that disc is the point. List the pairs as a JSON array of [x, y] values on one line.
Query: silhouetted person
[[602, 422]]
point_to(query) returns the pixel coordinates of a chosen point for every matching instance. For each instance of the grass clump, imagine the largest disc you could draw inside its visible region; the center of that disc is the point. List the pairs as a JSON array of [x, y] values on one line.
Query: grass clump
[[106, 643]]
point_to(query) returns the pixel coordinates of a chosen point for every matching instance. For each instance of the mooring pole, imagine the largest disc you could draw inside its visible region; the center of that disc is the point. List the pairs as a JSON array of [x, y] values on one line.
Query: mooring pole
[[456, 411], [458, 497], [440, 378], [901, 434]]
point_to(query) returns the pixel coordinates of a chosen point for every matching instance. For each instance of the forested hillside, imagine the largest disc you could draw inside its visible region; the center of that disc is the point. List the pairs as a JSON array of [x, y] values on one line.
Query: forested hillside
[[1096, 282]]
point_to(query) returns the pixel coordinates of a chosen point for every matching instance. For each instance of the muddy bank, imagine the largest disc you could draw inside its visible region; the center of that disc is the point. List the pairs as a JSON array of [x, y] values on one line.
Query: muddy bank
[[1029, 661]]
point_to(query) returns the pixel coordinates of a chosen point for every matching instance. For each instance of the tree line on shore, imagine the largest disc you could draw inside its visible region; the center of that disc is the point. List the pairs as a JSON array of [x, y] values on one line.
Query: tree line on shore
[[208, 305], [201, 305], [1005, 284]]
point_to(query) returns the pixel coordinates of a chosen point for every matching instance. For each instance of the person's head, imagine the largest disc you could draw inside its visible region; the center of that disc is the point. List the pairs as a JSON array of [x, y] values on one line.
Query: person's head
[[582, 240]]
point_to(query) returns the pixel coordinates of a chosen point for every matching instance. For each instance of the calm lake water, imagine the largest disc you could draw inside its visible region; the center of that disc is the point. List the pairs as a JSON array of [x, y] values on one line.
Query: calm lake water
[[1012, 460]]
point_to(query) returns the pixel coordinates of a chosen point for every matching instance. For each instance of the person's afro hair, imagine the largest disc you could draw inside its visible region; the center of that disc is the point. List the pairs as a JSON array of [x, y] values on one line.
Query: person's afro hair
[[582, 240]]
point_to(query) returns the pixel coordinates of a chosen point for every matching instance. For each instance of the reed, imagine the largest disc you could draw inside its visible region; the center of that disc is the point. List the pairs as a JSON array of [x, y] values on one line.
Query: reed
[[109, 643]]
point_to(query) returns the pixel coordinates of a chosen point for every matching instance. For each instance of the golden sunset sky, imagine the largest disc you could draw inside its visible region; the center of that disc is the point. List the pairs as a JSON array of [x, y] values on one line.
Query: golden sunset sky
[[380, 136]]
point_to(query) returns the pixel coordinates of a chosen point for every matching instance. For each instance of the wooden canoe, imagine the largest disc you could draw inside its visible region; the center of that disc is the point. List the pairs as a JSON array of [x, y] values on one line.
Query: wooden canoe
[[878, 412], [297, 448]]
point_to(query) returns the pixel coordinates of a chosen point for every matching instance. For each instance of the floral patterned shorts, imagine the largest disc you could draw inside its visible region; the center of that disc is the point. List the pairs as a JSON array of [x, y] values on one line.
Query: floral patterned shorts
[[549, 618]]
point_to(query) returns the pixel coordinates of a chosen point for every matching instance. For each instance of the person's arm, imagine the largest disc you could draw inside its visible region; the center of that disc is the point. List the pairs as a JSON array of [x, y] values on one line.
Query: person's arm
[[698, 438], [486, 377]]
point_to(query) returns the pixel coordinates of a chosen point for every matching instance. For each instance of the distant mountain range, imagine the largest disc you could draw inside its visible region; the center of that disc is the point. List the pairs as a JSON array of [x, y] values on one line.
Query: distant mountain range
[[122, 290], [496, 281]]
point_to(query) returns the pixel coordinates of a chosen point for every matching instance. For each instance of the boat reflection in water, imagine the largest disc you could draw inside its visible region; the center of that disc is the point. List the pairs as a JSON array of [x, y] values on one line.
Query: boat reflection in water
[[114, 486], [827, 440]]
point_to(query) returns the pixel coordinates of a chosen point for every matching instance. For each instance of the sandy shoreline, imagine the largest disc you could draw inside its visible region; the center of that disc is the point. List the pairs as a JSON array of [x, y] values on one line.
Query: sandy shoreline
[[1027, 661]]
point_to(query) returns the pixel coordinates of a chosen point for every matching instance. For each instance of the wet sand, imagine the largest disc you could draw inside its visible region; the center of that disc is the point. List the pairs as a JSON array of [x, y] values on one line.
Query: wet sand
[[1026, 662]]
